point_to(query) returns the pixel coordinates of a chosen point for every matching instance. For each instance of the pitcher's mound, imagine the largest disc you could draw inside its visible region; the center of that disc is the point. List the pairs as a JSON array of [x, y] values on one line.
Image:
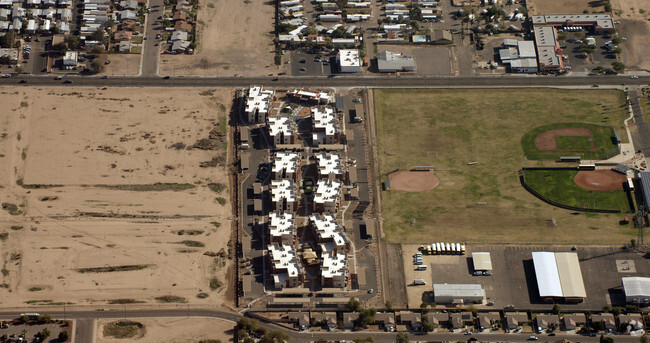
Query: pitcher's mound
[[600, 180], [413, 181]]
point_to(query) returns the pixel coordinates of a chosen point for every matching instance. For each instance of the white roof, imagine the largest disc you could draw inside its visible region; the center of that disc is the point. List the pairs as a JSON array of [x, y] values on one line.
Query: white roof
[[327, 228], [327, 191], [258, 99], [284, 258], [279, 125], [288, 161], [548, 278], [329, 164], [283, 189], [324, 119], [636, 286], [458, 290], [334, 265], [482, 261], [526, 49], [281, 224], [545, 36], [349, 58]]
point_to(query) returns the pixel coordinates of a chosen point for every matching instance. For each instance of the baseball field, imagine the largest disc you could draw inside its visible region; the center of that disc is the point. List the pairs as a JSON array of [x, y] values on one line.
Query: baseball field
[[473, 139]]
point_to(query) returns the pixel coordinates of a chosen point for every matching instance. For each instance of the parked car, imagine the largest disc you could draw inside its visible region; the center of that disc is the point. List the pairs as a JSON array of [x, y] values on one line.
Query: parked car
[[6, 76]]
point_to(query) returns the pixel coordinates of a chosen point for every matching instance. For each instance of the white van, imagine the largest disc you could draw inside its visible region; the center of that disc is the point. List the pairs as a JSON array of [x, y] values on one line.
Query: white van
[[422, 267], [419, 282]]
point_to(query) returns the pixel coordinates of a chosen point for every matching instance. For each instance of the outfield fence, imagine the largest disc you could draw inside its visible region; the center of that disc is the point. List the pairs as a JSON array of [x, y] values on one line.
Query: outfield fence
[[538, 195]]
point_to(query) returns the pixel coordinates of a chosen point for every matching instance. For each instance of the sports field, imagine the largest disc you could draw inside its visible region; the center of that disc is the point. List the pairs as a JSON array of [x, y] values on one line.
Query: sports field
[[589, 141], [484, 202]]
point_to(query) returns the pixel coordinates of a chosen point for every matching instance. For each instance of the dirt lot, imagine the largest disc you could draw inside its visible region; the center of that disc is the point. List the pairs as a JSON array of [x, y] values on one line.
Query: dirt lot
[[175, 330], [633, 16], [92, 173], [450, 129], [428, 60], [122, 65], [563, 6], [235, 39]]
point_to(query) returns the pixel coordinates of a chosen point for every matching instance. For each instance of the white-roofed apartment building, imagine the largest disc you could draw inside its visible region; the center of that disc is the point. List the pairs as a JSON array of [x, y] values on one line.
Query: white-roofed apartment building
[[327, 196], [258, 104], [286, 269], [281, 130], [286, 165], [284, 196], [282, 227], [325, 126], [330, 167]]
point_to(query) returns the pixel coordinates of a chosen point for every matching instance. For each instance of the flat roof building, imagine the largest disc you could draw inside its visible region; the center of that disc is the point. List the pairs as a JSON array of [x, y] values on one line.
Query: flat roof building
[[458, 293], [482, 261], [282, 227], [349, 61], [329, 233], [334, 270], [519, 55], [599, 22], [330, 167], [287, 270], [559, 276], [548, 49], [389, 62], [327, 196], [285, 165], [637, 290], [281, 130], [284, 196], [258, 104], [325, 126]]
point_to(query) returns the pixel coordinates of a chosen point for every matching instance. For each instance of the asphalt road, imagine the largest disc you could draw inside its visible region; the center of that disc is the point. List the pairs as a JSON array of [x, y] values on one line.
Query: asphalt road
[[339, 81], [151, 52]]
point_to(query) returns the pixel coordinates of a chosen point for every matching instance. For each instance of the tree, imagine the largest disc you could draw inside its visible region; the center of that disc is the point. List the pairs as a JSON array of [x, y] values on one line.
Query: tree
[[341, 4], [617, 40], [64, 336], [44, 334], [604, 339], [557, 309], [586, 48], [402, 337], [275, 336], [98, 49], [644, 339], [8, 40], [44, 319], [98, 35], [73, 42], [96, 66], [367, 317], [354, 305], [389, 305], [618, 67], [426, 325], [379, 22]]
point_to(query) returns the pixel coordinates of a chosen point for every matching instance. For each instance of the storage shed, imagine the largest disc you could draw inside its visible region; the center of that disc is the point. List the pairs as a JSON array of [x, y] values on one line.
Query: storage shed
[[458, 293], [637, 290], [482, 261]]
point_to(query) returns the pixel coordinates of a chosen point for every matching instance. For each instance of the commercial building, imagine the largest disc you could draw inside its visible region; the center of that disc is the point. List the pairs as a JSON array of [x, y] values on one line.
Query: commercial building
[[549, 53], [637, 290], [286, 268], [284, 196], [282, 228], [599, 23], [325, 126], [349, 61], [281, 130], [309, 97], [258, 104], [482, 261], [70, 59], [645, 187], [520, 56], [559, 276], [330, 167], [327, 196], [458, 294], [389, 62], [286, 165]]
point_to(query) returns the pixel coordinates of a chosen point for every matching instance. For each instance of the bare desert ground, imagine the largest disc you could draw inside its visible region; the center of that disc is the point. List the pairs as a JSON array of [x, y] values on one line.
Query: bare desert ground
[[563, 6], [234, 39], [104, 199], [122, 65], [635, 27], [175, 330]]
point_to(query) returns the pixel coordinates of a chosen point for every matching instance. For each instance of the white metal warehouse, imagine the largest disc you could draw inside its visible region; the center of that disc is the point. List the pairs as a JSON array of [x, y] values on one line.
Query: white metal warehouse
[[482, 261], [559, 276], [458, 293], [637, 290]]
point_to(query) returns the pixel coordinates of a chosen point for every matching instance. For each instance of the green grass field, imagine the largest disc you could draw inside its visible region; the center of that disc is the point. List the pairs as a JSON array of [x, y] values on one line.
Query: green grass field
[[484, 202], [601, 136], [558, 185]]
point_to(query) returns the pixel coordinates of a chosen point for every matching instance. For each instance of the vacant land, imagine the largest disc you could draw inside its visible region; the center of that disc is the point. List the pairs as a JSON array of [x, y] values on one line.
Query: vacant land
[[483, 201], [564, 6], [635, 27], [168, 330], [104, 199], [559, 186], [234, 39]]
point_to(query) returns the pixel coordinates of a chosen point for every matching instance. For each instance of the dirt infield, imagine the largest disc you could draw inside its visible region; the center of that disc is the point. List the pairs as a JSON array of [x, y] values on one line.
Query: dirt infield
[[546, 141], [413, 181], [600, 180]]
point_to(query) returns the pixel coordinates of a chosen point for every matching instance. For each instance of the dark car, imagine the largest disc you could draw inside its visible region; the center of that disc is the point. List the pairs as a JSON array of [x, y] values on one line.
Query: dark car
[[165, 77], [104, 77], [67, 81], [23, 81]]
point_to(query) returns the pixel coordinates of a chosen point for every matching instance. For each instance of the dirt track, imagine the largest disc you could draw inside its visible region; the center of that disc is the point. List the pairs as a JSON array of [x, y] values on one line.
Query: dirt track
[[546, 140], [413, 181], [600, 180]]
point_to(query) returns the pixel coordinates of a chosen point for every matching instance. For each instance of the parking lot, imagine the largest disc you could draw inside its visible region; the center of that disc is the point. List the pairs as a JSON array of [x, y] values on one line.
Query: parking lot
[[513, 279], [305, 64], [579, 61]]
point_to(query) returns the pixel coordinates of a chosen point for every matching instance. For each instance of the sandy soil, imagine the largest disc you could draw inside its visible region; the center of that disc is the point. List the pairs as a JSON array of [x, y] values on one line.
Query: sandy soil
[[635, 27], [600, 180], [51, 137], [235, 39], [122, 65], [562, 6], [176, 330], [409, 181]]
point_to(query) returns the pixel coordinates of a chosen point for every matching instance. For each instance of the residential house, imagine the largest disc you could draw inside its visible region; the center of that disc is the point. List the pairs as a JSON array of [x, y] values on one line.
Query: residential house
[[458, 320], [179, 15], [125, 46], [385, 321], [326, 319], [128, 14], [514, 320], [350, 320], [122, 35], [573, 321], [412, 320], [182, 25], [438, 319], [487, 320], [300, 319], [608, 320], [441, 37], [633, 320], [547, 321], [129, 4]]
